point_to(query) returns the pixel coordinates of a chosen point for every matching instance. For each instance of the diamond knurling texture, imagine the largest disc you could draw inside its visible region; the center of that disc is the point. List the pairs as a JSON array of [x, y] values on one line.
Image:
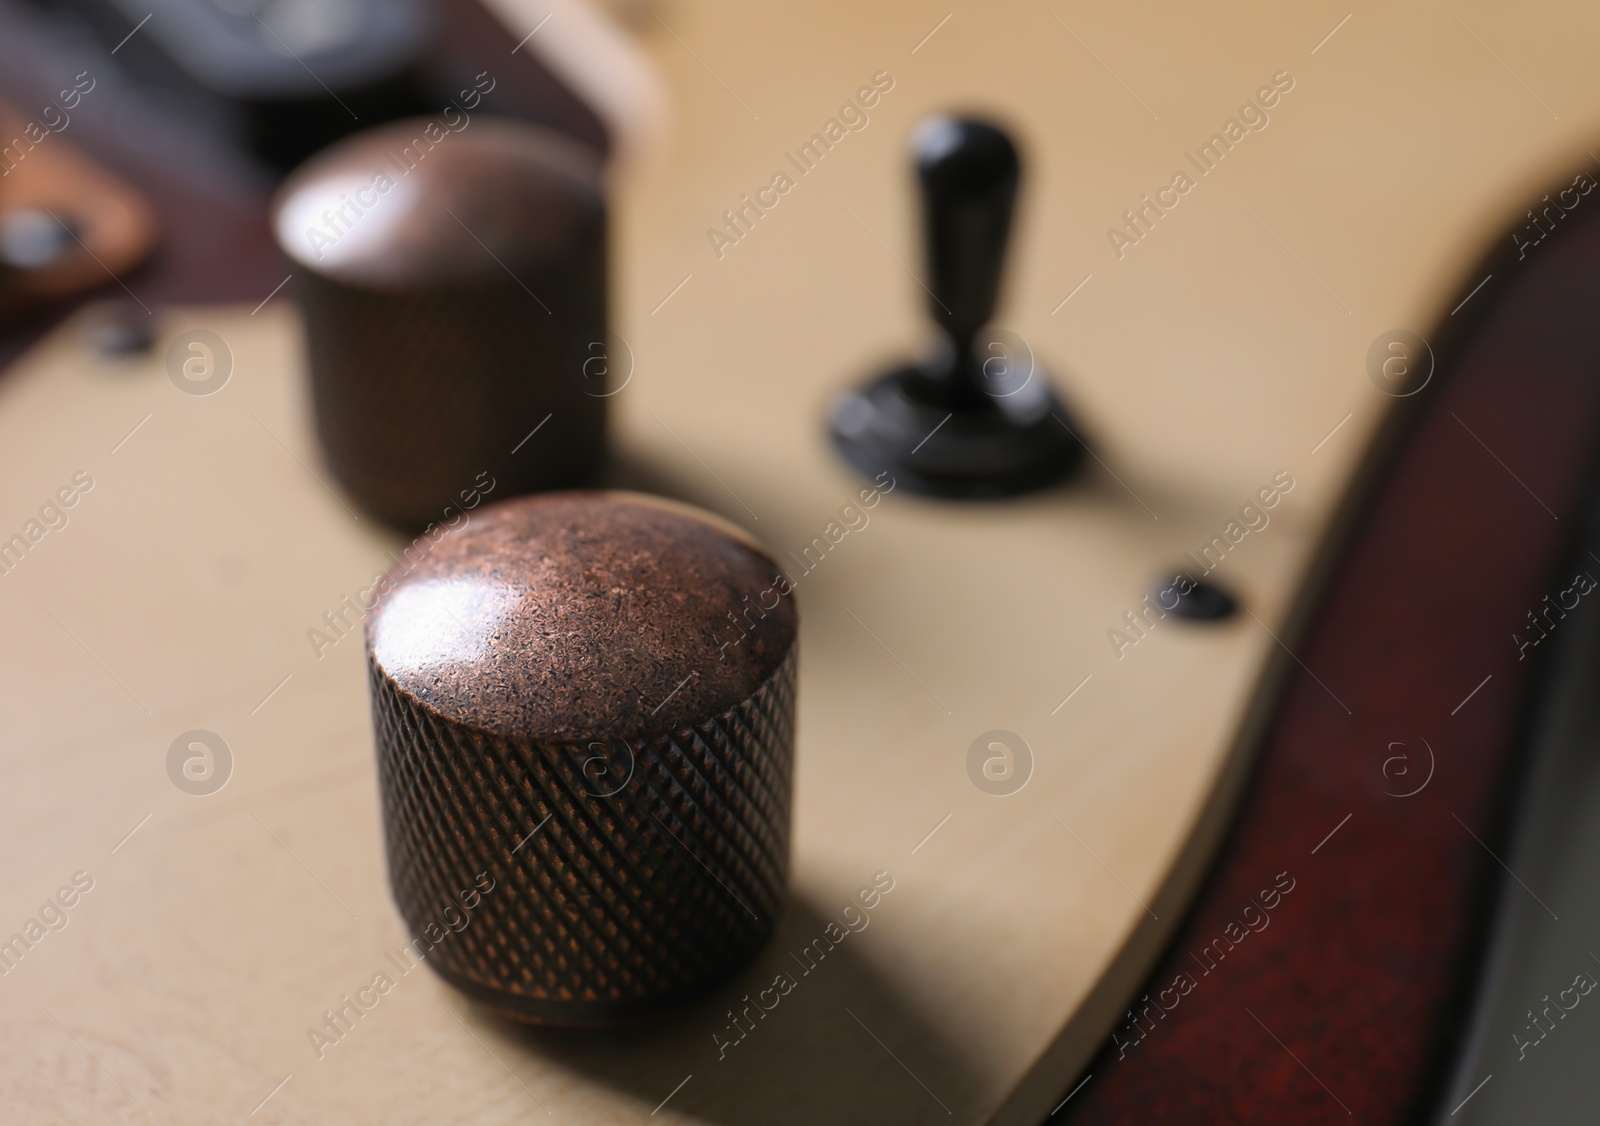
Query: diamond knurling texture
[[604, 905], [417, 392]]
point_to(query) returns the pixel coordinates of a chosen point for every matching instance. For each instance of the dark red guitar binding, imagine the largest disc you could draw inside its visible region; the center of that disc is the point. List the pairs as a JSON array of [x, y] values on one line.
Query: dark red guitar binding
[[1349, 1002]]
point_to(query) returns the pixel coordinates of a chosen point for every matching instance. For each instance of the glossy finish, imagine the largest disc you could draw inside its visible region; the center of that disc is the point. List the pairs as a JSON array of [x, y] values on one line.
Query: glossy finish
[[454, 288], [580, 616], [216, 247], [584, 707]]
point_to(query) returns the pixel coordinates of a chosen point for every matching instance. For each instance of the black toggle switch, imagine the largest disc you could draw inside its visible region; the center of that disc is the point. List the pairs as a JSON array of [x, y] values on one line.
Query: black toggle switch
[[977, 419]]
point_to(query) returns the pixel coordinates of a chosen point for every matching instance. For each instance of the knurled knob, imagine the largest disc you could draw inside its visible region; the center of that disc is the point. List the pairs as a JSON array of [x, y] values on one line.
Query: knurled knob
[[453, 286], [584, 714]]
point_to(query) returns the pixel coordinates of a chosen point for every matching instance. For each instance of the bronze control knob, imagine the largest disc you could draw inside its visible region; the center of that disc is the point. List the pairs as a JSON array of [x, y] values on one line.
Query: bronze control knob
[[454, 292], [584, 711]]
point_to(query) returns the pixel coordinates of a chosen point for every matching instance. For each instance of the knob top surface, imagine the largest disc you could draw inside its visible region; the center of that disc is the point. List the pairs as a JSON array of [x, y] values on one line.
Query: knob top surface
[[416, 203], [572, 616]]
